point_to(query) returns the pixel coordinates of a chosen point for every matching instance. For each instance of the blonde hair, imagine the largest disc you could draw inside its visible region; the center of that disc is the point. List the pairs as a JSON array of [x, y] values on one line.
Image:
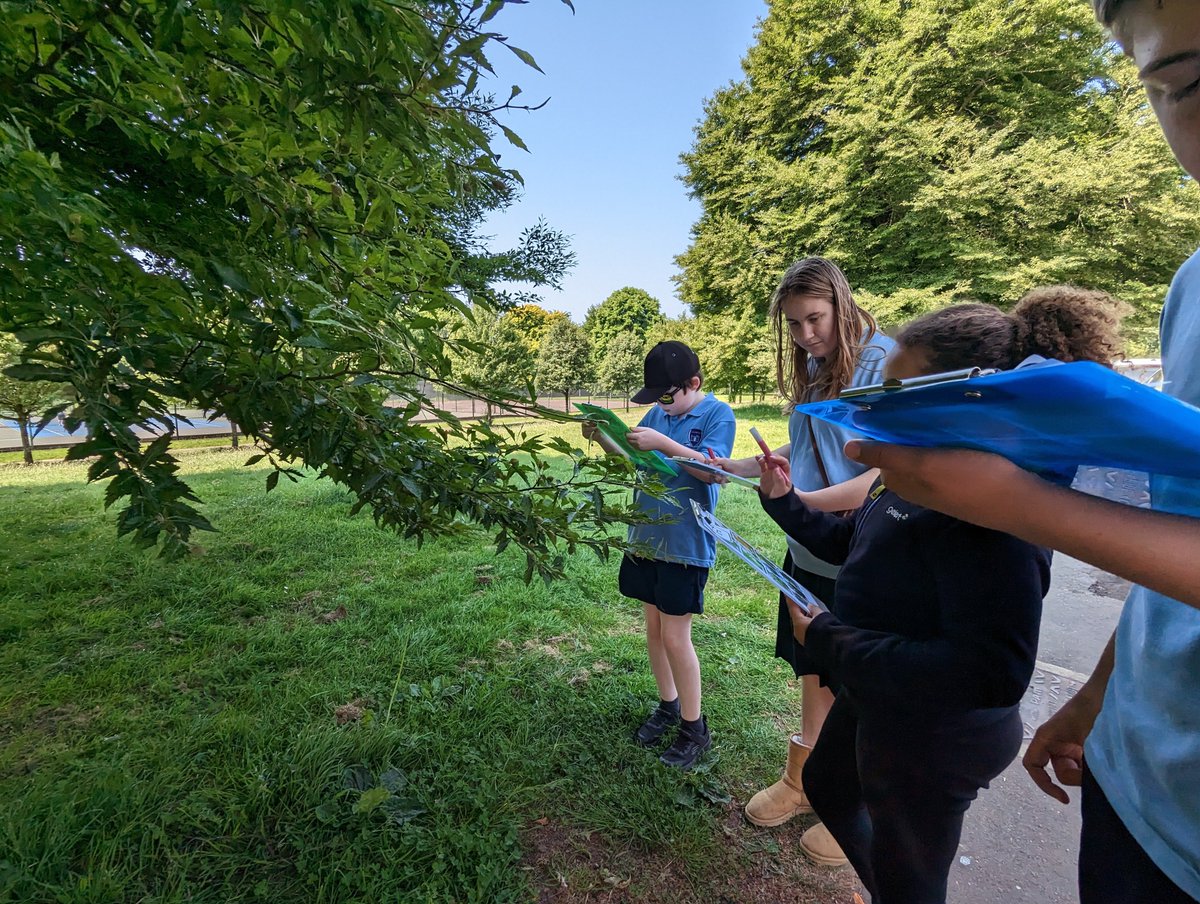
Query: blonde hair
[[816, 277]]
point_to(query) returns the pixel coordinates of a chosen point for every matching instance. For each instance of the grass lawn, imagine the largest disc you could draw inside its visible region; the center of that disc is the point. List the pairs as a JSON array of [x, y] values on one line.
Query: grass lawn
[[316, 710]]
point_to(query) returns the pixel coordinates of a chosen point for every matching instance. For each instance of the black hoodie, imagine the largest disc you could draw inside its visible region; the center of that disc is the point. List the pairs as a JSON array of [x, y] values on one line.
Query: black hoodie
[[931, 614]]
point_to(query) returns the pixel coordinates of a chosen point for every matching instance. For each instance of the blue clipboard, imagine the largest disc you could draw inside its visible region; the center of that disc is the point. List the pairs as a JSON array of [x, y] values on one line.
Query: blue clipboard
[[1049, 418]]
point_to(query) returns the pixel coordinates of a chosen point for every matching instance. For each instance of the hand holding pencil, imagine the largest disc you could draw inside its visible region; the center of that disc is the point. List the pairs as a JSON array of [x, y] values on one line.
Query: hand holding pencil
[[776, 471]]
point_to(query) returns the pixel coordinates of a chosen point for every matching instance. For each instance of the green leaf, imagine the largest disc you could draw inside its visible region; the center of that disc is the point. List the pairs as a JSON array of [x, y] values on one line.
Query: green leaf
[[327, 812], [370, 799], [357, 778], [525, 56], [229, 276], [40, 372]]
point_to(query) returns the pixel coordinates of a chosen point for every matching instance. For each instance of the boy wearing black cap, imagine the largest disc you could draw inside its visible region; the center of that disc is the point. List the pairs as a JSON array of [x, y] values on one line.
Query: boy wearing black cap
[[669, 581]]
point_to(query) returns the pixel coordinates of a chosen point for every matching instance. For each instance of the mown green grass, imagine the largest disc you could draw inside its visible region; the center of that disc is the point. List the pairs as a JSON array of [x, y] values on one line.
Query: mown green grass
[[171, 731]]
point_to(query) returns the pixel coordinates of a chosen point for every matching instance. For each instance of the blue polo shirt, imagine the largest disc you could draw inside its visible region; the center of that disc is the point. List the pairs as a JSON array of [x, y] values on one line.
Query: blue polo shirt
[[1144, 749], [710, 424], [831, 438]]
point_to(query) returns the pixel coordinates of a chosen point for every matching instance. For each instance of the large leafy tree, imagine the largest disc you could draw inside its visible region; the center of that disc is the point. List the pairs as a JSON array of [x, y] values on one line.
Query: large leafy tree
[[626, 310], [489, 355], [564, 363], [265, 209], [623, 366], [938, 149], [533, 322], [24, 400]]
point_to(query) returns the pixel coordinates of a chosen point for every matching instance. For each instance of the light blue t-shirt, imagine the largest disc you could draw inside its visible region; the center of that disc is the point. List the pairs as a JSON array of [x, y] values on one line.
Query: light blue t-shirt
[[710, 424], [1144, 749], [831, 439]]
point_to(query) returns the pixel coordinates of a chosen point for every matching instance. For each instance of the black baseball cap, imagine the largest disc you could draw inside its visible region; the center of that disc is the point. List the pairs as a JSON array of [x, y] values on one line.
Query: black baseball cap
[[669, 365]]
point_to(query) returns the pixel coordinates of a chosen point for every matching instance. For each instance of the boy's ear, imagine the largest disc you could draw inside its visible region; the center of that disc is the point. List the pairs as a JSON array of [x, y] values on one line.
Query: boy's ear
[[695, 382]]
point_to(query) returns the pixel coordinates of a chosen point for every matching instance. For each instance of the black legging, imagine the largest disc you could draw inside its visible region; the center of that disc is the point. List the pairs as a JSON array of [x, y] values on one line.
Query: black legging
[[1113, 867], [786, 647], [892, 789]]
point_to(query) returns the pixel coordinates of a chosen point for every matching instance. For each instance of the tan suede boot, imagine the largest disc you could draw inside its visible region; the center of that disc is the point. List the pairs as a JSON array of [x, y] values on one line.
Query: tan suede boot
[[776, 805], [821, 848]]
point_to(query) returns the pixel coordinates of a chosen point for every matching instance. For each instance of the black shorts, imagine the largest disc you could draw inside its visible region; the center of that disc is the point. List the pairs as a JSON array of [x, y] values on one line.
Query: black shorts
[[671, 587]]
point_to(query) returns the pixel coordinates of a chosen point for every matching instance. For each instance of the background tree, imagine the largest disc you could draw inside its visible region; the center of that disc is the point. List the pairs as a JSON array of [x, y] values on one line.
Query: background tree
[[263, 210], [564, 363], [532, 321], [626, 310], [621, 370], [916, 146], [489, 356], [24, 400]]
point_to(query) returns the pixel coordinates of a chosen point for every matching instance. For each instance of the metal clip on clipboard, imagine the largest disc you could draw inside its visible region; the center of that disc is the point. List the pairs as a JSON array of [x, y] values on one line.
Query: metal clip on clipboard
[[889, 386]]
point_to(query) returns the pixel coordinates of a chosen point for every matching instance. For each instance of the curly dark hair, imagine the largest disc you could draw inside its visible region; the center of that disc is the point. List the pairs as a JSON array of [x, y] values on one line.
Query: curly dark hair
[[1066, 323]]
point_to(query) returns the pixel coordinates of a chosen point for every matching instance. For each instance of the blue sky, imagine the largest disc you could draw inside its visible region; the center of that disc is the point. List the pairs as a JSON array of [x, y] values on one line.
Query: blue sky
[[627, 80]]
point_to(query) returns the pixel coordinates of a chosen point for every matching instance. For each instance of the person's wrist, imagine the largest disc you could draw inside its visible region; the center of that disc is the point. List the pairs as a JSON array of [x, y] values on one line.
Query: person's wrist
[[1091, 695]]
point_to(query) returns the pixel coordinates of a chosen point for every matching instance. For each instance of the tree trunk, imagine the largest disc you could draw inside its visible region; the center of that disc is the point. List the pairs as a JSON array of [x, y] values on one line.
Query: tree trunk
[[26, 442], [567, 400], [233, 434]]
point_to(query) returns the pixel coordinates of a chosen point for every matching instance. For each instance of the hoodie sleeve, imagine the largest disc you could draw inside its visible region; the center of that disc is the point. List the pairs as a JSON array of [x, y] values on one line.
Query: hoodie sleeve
[[826, 536], [989, 590]]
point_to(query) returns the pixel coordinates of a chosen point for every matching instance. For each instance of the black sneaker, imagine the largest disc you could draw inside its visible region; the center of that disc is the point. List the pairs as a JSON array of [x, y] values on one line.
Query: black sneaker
[[689, 746], [650, 731]]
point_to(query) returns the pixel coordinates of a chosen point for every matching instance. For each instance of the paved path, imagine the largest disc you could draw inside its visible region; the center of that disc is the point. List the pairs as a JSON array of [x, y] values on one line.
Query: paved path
[[1018, 845], [55, 434]]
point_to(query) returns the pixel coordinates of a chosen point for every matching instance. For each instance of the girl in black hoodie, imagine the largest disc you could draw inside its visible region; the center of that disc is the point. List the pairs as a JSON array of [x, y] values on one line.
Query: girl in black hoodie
[[932, 636]]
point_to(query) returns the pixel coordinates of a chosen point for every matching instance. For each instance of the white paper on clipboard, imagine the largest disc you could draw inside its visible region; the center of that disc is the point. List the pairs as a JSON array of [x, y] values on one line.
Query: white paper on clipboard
[[713, 469], [780, 579]]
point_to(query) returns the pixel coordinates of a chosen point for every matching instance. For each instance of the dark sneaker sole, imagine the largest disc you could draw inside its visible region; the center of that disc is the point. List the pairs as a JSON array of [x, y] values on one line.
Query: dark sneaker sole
[[686, 764]]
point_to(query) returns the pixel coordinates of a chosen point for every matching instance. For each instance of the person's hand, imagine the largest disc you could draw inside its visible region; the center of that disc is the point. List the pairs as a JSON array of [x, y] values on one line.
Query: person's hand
[[800, 621], [742, 467], [705, 476], [776, 476], [979, 487], [708, 476], [1058, 743], [590, 431], [646, 439]]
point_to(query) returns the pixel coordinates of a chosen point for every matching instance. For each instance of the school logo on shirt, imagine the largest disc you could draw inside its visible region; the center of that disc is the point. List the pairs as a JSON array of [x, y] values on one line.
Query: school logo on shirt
[[694, 437]]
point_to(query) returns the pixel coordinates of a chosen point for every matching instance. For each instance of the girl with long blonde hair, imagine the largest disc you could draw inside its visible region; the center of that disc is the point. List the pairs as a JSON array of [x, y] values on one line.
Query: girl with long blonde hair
[[824, 343]]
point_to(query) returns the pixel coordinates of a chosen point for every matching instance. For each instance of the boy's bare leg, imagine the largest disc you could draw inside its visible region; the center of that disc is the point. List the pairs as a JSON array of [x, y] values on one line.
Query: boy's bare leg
[[815, 707], [684, 665], [660, 665]]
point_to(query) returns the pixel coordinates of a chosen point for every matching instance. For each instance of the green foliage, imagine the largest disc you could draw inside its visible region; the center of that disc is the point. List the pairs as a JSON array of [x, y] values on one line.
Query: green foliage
[[532, 321], [622, 368], [898, 307], [265, 209], [488, 354], [951, 150], [542, 257], [564, 362], [626, 310], [24, 400]]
